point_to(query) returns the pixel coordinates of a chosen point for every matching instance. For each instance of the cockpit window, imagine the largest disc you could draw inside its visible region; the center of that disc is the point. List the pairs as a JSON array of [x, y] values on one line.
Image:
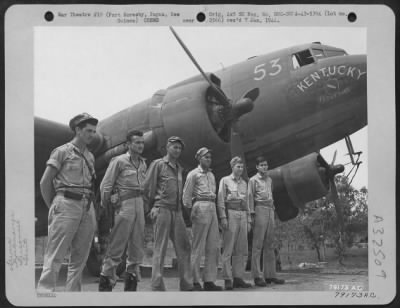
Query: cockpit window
[[335, 53], [318, 53], [302, 58], [296, 64]]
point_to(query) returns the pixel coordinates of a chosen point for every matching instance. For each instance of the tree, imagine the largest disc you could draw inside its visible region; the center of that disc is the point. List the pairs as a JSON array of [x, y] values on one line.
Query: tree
[[320, 219], [314, 220], [317, 223], [290, 231]]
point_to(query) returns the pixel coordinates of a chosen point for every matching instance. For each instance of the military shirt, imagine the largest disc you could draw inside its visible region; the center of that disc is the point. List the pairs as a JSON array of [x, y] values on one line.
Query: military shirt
[[259, 190], [163, 184], [199, 183], [122, 174], [74, 174], [231, 190]]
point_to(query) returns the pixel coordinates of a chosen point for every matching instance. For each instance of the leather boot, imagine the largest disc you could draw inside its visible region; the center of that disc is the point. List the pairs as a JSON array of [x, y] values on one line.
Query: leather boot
[[130, 281], [211, 286], [228, 284], [240, 283], [105, 284], [259, 282], [274, 280]]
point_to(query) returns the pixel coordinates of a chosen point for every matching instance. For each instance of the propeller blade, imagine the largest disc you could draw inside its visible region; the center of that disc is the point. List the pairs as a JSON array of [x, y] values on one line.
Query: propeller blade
[[218, 92], [334, 158], [237, 146], [339, 211], [338, 204], [252, 94], [329, 172], [243, 105]]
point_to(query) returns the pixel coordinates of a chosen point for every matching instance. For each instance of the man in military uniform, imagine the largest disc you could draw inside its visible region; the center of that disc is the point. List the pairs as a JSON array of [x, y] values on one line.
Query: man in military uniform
[[199, 191], [235, 218], [122, 186], [261, 206], [163, 187], [67, 189]]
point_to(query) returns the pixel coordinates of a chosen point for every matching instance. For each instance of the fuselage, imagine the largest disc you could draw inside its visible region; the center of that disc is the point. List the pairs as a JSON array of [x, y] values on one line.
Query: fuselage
[[310, 97]]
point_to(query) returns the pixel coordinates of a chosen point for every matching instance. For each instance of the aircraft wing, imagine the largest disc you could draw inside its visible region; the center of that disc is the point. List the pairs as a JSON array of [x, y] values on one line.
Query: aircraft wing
[[48, 135]]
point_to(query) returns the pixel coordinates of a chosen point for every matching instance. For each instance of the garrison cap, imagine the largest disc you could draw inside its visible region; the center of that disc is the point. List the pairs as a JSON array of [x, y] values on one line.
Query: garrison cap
[[201, 152], [80, 118], [174, 139], [236, 160]]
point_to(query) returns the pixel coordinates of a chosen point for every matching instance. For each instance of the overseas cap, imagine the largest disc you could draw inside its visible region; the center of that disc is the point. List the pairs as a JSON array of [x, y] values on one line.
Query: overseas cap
[[174, 139], [236, 160], [201, 152], [80, 118]]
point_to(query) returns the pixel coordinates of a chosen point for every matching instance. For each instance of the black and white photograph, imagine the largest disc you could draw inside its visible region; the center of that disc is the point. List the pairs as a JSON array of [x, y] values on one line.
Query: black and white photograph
[[206, 161]]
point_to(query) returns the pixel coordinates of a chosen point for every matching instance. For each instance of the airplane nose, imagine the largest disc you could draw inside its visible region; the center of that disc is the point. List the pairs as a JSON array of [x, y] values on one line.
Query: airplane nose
[[345, 78], [356, 66], [349, 68], [334, 82]]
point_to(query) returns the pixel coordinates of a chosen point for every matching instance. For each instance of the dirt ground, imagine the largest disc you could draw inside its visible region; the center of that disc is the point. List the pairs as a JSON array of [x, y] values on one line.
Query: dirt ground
[[311, 277], [296, 280]]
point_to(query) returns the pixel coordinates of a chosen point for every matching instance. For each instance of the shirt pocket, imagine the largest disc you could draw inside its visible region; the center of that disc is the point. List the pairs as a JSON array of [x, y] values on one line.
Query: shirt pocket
[[231, 193], [242, 191], [170, 185], [72, 170], [128, 176], [128, 173], [202, 183], [260, 189]]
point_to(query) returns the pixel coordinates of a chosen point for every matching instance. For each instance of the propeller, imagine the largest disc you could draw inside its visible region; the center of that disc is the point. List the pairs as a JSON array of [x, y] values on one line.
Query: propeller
[[329, 172], [244, 105], [231, 112], [332, 170], [334, 158], [220, 95]]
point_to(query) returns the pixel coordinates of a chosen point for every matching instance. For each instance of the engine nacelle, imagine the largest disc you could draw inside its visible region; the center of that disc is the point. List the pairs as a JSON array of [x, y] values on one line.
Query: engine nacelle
[[297, 183], [183, 112]]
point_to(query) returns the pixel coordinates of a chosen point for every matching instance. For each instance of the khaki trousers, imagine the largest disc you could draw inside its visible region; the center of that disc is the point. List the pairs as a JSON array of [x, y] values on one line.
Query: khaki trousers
[[263, 237], [205, 240], [169, 224], [128, 231], [71, 226], [235, 245]]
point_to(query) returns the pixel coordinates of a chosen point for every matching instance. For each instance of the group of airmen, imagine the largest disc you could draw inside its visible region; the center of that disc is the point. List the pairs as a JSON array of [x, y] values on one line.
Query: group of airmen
[[134, 191]]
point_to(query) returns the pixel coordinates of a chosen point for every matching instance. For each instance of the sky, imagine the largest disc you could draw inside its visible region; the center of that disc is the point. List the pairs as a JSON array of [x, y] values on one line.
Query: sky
[[102, 70]]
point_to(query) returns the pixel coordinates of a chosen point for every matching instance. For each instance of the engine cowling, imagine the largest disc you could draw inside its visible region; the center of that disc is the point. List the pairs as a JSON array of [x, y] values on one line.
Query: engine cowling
[[297, 183], [183, 111]]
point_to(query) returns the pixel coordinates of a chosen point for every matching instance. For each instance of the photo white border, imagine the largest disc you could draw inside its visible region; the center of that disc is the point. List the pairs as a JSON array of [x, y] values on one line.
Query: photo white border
[[379, 20]]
